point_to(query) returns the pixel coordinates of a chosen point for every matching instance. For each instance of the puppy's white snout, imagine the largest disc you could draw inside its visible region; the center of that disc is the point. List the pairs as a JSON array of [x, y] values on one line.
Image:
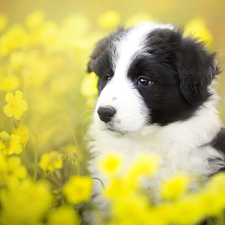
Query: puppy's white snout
[[106, 113]]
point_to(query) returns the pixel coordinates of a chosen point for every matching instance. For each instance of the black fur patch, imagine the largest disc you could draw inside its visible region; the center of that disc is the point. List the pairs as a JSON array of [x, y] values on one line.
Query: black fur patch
[[219, 144], [181, 70], [219, 141], [101, 59]]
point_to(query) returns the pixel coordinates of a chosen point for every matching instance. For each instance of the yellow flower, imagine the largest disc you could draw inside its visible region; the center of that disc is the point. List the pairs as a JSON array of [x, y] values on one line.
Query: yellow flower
[[15, 168], [64, 215], [175, 186], [9, 82], [131, 209], [110, 163], [10, 144], [109, 19], [160, 215], [198, 28], [11, 170], [78, 189], [144, 165], [35, 19], [129, 181], [26, 204], [211, 204], [118, 188], [16, 105], [3, 22], [50, 161], [212, 198], [15, 37], [187, 211], [23, 132], [217, 183]]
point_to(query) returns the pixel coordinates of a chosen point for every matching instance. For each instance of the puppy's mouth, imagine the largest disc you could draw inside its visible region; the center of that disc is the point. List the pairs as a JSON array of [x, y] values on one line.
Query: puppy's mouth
[[113, 130]]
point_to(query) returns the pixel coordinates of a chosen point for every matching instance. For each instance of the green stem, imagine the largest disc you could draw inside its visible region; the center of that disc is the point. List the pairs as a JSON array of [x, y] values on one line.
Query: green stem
[[76, 144], [78, 167], [53, 177], [35, 163], [221, 219], [66, 156], [43, 178], [56, 180], [95, 178], [46, 174]]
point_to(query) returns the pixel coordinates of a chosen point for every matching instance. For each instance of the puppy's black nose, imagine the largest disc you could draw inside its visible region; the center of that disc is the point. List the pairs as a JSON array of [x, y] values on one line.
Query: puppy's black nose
[[106, 113]]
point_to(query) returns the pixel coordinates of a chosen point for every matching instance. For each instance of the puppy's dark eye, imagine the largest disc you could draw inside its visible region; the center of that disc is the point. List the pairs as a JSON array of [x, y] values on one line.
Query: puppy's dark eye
[[143, 81], [108, 78]]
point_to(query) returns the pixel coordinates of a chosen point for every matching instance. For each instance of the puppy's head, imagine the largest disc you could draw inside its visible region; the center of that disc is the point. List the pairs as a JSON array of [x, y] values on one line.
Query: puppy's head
[[149, 74]]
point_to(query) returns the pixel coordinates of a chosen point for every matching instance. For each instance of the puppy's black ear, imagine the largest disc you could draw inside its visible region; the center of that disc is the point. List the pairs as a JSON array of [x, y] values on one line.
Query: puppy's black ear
[[196, 69], [102, 46], [99, 48]]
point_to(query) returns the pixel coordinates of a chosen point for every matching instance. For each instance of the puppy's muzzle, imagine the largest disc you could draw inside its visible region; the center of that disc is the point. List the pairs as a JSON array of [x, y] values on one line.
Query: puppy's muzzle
[[106, 113]]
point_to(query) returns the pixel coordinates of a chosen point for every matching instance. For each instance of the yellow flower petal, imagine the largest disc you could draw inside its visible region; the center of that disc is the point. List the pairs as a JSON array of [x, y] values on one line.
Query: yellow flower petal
[[24, 134], [16, 105], [23, 105], [174, 186], [18, 95], [9, 97], [78, 189], [8, 110], [55, 161], [15, 138], [110, 163], [17, 149], [1, 145], [50, 161], [4, 135], [17, 113], [14, 162], [8, 151], [44, 162], [21, 172], [58, 164]]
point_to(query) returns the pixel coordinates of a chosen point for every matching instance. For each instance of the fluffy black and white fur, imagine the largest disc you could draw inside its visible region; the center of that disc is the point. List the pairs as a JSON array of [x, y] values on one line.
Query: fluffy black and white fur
[[155, 96]]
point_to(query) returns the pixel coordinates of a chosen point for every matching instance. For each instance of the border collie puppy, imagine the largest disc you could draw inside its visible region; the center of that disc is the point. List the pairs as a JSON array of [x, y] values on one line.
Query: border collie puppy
[[155, 96]]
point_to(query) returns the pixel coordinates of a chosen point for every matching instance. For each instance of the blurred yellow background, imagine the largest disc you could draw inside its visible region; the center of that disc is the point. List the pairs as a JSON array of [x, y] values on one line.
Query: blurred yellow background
[[165, 11], [47, 100], [44, 49]]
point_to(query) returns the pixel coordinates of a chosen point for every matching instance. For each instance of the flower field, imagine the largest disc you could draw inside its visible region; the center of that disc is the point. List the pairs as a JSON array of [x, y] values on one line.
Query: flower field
[[46, 103]]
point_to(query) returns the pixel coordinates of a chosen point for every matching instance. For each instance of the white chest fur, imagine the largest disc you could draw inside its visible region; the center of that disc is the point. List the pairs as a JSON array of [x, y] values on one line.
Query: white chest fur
[[181, 146]]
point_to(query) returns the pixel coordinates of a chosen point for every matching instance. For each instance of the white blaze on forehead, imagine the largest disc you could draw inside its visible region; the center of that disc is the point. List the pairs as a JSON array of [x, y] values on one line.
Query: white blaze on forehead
[[131, 44], [131, 112]]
